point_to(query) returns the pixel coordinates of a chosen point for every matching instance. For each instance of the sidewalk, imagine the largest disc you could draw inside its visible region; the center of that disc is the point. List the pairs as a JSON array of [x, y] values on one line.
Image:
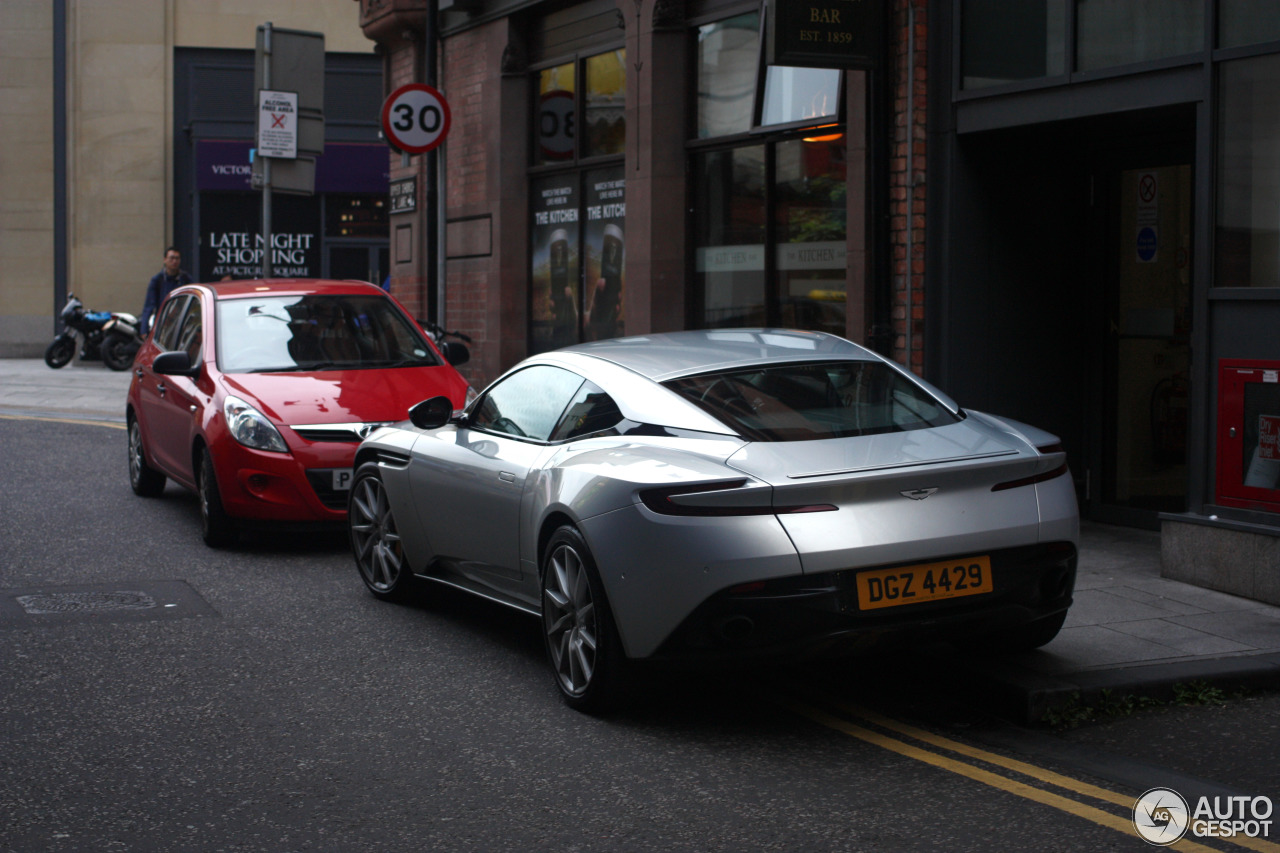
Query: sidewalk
[[1129, 631], [82, 390]]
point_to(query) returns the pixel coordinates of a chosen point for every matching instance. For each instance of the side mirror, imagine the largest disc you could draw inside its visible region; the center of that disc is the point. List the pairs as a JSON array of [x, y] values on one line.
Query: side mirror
[[177, 363], [455, 353], [431, 414]]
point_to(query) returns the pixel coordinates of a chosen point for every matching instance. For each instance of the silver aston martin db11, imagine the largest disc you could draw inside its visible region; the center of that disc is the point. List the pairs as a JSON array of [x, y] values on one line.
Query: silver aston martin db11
[[718, 493]]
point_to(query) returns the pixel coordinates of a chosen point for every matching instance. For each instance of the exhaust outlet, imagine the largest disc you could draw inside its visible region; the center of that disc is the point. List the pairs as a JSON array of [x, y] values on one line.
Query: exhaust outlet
[[737, 628]]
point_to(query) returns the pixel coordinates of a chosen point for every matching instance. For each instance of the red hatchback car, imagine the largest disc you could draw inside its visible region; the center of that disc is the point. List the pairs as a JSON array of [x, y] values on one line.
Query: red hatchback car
[[255, 394]]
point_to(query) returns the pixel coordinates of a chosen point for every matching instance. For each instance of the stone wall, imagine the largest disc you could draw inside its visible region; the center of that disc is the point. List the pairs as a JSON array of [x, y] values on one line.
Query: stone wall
[[1228, 558]]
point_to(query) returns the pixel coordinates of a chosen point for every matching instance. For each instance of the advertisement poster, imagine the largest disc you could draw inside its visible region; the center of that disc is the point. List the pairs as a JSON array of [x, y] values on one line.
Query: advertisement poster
[[230, 236], [606, 210], [556, 273]]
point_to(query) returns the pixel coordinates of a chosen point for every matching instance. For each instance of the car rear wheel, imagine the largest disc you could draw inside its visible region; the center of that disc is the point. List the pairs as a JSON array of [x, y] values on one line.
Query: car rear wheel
[[582, 641], [375, 542], [145, 480], [216, 527]]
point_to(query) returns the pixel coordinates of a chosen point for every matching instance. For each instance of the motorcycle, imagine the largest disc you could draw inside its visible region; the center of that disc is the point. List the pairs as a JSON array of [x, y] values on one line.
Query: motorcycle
[[86, 325], [121, 341]]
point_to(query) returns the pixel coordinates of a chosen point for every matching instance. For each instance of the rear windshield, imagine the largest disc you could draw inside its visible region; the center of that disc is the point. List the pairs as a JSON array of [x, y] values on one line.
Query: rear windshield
[[804, 402], [331, 332]]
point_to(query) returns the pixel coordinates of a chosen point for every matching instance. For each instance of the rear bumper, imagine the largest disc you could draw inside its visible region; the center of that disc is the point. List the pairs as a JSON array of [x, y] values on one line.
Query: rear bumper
[[818, 615]]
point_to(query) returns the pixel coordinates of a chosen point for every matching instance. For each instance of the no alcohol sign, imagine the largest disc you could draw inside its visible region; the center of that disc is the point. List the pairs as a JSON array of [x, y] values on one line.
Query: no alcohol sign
[[415, 118]]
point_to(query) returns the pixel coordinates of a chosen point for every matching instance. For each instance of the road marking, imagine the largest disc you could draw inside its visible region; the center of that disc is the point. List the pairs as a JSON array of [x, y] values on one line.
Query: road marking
[[995, 780], [53, 420]]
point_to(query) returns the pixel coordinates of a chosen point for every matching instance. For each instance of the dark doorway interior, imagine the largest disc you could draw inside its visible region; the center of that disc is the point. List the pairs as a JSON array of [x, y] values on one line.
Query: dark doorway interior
[[1067, 296]]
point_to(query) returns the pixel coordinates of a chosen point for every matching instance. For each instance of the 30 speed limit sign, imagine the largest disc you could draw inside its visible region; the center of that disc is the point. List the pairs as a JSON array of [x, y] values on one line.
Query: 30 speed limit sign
[[415, 118]]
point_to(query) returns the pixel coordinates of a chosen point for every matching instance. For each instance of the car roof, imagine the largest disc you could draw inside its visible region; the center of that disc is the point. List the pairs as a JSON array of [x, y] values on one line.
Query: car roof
[[671, 355], [287, 287]]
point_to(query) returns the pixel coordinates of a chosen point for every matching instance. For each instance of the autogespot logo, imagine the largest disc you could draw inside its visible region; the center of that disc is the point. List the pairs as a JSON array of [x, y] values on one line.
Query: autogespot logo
[[1161, 816]]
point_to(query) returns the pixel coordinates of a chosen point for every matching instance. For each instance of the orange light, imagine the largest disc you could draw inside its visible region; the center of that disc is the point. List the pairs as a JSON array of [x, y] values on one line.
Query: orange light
[[829, 137]]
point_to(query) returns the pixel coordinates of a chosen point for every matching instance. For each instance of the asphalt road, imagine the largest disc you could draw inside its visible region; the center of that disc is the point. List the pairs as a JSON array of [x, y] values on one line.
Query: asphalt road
[[158, 695]]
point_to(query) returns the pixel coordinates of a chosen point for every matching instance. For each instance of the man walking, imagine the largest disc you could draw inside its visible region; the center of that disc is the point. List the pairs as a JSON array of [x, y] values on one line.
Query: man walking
[[162, 283]]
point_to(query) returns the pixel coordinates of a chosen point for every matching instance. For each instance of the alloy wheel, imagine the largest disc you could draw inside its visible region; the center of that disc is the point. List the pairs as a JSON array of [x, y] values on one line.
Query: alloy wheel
[[136, 460], [569, 616], [374, 537]]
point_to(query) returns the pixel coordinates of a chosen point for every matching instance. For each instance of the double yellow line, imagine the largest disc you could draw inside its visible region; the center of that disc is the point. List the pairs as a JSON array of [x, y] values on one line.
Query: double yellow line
[[943, 761]]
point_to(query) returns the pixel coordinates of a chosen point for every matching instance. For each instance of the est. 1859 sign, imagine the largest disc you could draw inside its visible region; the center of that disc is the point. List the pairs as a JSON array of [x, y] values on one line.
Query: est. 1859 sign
[[824, 33]]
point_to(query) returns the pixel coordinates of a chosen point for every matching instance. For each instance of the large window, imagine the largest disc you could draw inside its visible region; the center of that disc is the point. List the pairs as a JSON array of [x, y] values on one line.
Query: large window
[[1247, 250], [1243, 22], [770, 208], [1004, 41], [1010, 41], [578, 201], [1118, 32]]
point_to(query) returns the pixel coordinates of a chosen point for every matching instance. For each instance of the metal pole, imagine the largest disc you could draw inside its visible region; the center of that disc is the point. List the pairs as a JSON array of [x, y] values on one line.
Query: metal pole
[[59, 158], [266, 161], [434, 294]]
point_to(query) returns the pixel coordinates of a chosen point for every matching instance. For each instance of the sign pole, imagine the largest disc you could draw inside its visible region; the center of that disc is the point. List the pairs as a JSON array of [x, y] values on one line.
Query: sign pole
[[434, 297], [266, 161]]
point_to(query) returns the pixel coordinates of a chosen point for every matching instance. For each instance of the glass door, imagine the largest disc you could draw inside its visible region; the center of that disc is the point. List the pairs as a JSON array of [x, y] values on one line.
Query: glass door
[[1147, 355]]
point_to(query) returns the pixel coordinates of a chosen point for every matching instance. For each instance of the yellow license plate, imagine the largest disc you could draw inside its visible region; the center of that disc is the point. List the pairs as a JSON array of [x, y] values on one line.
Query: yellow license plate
[[927, 582]]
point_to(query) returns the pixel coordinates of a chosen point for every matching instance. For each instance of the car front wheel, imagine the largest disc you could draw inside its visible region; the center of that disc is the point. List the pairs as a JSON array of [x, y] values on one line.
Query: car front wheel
[[582, 642], [216, 527], [375, 542]]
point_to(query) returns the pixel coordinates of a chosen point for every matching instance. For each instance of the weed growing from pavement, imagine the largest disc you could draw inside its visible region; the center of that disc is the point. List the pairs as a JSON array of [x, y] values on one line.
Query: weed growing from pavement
[[1109, 706]]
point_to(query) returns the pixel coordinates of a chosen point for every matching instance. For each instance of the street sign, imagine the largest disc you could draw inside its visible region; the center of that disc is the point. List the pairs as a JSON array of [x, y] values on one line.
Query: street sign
[[404, 195], [293, 61], [278, 124], [415, 118]]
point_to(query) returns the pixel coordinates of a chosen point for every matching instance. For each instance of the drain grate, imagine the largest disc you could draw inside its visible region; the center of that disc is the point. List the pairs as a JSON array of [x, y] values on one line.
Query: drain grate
[[85, 602], [101, 603]]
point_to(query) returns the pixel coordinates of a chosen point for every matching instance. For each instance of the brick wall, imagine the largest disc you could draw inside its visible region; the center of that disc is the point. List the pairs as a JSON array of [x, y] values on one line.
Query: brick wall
[[467, 67], [403, 65], [907, 191]]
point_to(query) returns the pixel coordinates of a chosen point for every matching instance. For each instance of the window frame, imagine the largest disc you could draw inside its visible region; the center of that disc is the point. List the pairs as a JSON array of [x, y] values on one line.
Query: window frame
[[767, 136], [578, 160]]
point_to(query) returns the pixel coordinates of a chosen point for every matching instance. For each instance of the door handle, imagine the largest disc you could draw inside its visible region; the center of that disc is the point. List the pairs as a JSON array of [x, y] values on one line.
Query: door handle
[[138, 372], [162, 388], [506, 477]]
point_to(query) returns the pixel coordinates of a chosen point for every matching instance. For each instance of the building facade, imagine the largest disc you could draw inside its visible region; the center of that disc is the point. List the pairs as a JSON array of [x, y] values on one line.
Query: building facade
[[108, 108], [1064, 211]]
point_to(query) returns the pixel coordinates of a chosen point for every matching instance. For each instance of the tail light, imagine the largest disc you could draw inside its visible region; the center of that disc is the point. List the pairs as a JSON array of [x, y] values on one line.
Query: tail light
[[667, 501], [1046, 450]]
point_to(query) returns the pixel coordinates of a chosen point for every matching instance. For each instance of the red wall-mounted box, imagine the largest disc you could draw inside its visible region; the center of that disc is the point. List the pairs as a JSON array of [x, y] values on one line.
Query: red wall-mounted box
[[1249, 434]]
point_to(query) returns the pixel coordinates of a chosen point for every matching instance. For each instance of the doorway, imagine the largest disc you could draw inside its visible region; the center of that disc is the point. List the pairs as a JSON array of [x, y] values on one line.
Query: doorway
[[361, 261], [1067, 297], [1140, 461]]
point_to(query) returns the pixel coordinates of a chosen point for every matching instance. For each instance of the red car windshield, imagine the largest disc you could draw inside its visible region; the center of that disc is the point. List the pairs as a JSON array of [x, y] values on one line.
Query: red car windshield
[[808, 401], [344, 332]]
